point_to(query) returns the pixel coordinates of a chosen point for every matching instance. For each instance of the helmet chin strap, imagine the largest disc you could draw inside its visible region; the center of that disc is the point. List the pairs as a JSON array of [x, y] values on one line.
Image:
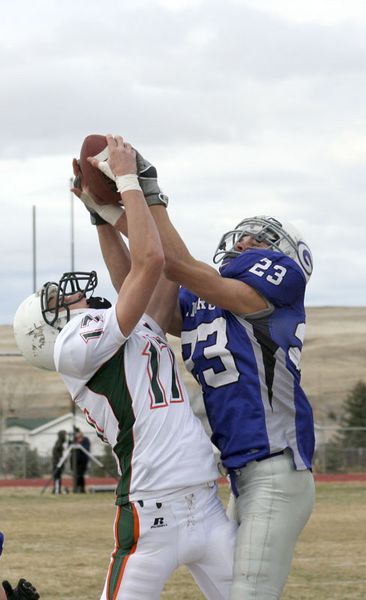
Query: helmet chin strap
[[98, 302]]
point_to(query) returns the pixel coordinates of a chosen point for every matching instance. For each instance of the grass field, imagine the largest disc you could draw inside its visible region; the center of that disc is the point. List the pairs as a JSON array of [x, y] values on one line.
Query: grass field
[[63, 544]]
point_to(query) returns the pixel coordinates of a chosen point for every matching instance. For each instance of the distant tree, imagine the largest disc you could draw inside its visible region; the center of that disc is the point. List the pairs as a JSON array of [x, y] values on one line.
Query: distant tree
[[33, 466], [347, 449], [20, 461], [354, 415]]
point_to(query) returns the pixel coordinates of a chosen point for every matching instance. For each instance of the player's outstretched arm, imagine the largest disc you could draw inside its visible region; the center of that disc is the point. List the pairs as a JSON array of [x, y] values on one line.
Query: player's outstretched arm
[[182, 267], [146, 252], [163, 306], [115, 254], [163, 302], [114, 251], [201, 278]]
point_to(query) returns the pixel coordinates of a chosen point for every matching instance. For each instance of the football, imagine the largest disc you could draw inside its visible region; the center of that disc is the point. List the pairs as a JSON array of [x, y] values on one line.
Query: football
[[102, 188]]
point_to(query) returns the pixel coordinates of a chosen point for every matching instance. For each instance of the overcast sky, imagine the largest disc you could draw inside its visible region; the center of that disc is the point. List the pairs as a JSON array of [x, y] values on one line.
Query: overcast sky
[[245, 106]]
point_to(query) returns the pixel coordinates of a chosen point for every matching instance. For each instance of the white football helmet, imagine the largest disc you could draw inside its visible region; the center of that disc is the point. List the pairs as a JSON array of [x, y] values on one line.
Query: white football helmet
[[281, 237], [36, 326]]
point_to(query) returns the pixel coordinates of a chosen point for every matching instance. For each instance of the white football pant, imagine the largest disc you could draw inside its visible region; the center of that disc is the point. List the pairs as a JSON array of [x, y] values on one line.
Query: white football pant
[[154, 538]]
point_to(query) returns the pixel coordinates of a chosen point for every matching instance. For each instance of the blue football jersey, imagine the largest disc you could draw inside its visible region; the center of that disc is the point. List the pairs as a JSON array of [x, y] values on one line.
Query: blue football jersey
[[248, 366]]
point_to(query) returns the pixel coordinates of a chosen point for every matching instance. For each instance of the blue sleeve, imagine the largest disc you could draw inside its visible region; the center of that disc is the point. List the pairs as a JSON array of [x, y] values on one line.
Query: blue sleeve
[[274, 275], [185, 301]]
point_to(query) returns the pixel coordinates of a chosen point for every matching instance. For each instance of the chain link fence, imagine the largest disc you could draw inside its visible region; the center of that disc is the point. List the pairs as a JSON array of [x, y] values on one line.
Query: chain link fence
[[18, 460], [334, 455]]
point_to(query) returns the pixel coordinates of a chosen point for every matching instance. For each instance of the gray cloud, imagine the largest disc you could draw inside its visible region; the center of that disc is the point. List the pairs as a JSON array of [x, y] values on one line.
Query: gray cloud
[[243, 112], [74, 70]]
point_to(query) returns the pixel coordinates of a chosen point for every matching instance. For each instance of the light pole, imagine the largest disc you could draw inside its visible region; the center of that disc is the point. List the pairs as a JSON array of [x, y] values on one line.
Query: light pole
[[34, 253], [72, 268], [72, 244]]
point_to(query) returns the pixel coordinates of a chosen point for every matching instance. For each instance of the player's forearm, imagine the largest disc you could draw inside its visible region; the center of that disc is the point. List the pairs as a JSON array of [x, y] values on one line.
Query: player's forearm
[[163, 302], [179, 263], [115, 254], [200, 278], [144, 241]]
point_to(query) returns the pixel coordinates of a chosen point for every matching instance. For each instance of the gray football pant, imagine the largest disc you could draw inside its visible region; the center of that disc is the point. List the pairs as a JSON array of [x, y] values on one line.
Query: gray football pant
[[275, 501]]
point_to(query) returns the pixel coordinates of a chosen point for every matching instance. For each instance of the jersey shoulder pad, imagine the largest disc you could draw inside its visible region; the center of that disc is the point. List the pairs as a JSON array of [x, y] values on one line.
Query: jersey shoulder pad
[[274, 275], [86, 342]]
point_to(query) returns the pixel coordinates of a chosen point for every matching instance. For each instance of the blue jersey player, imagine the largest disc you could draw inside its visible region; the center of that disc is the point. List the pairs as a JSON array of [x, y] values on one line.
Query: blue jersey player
[[248, 365], [242, 331]]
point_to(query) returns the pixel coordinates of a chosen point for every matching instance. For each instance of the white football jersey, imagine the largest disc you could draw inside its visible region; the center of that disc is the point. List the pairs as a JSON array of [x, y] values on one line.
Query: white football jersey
[[131, 392]]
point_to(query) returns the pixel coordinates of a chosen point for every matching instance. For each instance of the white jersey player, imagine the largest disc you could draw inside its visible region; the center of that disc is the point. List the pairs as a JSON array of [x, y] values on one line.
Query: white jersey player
[[130, 391], [120, 371]]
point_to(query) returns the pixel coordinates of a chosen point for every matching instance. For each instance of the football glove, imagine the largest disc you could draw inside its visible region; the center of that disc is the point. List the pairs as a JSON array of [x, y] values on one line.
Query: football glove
[[109, 213], [23, 591], [148, 180], [95, 219]]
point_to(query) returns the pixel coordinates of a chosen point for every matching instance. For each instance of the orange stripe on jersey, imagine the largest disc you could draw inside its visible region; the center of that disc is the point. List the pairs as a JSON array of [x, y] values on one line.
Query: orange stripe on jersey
[[136, 535]]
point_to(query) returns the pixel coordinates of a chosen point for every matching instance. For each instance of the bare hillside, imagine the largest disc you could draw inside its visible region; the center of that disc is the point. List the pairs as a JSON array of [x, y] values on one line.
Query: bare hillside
[[334, 356], [334, 359]]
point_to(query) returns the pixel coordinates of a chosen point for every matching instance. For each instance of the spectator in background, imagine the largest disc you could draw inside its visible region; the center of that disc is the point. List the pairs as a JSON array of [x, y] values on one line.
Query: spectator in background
[[82, 460], [57, 454]]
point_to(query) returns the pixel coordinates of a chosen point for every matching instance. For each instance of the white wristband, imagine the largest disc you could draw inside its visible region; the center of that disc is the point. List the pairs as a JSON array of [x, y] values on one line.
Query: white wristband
[[125, 183]]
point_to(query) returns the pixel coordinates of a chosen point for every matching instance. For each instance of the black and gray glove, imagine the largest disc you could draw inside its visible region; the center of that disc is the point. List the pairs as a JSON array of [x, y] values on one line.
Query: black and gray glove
[[148, 180], [24, 591]]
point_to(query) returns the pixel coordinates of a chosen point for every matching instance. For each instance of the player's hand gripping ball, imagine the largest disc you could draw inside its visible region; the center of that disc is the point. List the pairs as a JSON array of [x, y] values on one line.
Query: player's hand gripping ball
[[102, 184]]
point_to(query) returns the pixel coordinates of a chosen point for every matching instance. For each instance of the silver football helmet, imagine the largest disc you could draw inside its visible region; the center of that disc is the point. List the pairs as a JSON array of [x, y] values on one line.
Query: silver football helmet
[[41, 316], [280, 237]]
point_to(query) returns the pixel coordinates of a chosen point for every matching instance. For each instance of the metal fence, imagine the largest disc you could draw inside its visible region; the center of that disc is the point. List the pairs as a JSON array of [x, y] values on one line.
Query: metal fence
[[19, 460], [334, 455]]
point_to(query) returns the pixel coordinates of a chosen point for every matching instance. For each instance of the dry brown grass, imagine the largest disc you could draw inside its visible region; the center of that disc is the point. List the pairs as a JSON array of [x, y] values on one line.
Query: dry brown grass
[[63, 545]]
